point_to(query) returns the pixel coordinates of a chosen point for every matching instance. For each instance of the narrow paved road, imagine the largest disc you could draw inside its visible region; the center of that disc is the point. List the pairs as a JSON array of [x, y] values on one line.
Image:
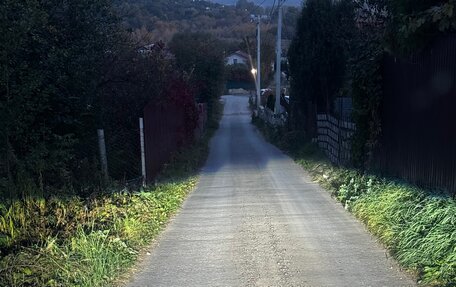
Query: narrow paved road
[[256, 219]]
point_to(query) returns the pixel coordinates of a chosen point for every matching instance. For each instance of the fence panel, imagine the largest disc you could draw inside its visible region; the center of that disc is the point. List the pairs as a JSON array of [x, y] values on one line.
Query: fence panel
[[123, 154], [163, 136], [334, 137], [418, 140], [164, 133], [268, 116]]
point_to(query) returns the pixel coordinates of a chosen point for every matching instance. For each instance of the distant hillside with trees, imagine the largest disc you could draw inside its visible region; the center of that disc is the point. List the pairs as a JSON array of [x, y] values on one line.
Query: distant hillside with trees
[[160, 19], [267, 3]]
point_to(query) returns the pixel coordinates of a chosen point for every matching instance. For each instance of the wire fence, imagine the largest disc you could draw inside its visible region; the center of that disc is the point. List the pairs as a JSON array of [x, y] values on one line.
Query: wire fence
[[112, 158], [119, 155], [123, 153]]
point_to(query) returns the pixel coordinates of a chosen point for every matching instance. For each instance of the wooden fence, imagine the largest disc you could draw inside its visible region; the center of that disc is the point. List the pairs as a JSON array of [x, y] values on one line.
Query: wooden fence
[[334, 138]]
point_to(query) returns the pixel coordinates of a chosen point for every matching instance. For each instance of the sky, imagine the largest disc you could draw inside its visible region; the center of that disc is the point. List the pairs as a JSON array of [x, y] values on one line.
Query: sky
[[266, 2]]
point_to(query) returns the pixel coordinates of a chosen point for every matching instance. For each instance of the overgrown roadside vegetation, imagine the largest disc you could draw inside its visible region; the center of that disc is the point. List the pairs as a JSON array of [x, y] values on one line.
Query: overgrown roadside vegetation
[[68, 70], [418, 227], [76, 241]]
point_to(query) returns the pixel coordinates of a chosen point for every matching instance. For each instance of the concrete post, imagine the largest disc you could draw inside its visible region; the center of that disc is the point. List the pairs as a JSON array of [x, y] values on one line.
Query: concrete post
[[103, 157]]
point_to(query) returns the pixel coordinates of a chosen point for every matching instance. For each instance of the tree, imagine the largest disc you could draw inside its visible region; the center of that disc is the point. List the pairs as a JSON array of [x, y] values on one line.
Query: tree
[[200, 56], [246, 5], [51, 63], [318, 57], [267, 53], [68, 68]]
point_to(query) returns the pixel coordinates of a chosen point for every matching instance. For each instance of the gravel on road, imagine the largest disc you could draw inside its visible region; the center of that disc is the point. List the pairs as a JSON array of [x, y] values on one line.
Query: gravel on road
[[257, 219]]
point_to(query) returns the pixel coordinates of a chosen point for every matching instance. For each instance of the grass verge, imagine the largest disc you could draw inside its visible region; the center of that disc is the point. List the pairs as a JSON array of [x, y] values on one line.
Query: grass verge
[[417, 226], [74, 241]]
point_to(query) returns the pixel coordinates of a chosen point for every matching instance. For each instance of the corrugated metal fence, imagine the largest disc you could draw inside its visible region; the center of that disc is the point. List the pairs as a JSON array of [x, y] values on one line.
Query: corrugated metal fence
[[418, 140]]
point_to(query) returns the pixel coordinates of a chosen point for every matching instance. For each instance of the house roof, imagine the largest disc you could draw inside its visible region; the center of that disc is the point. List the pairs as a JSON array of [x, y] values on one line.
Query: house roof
[[240, 54]]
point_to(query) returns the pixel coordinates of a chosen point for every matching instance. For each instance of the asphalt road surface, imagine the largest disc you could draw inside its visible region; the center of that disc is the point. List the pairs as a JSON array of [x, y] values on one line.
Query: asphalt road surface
[[257, 219]]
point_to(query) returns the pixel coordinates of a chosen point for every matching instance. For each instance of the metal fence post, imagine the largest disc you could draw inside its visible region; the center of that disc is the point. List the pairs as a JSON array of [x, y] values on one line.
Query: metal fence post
[[103, 158], [143, 154]]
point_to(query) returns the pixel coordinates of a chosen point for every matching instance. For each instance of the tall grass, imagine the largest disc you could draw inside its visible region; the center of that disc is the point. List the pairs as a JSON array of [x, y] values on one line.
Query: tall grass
[[99, 240], [417, 226], [419, 229]]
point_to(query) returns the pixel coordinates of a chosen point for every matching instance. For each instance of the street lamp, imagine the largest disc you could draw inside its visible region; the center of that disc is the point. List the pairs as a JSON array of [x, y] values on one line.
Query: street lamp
[[254, 74]]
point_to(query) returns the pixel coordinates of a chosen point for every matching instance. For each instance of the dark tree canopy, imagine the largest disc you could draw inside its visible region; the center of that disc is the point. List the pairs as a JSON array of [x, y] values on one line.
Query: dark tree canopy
[[318, 56], [201, 56], [68, 68]]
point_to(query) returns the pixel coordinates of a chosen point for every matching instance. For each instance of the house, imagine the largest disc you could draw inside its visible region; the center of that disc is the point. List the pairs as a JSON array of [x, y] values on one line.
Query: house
[[237, 57]]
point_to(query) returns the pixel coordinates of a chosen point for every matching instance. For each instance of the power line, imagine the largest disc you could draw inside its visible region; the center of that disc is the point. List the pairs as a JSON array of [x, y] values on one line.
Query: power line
[[272, 9]]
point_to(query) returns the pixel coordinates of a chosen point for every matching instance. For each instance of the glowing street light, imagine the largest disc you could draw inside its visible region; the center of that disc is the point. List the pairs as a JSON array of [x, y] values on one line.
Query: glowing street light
[[254, 73]]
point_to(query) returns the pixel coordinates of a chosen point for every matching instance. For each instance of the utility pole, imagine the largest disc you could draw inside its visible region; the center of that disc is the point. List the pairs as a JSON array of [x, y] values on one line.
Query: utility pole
[[258, 78], [278, 108]]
